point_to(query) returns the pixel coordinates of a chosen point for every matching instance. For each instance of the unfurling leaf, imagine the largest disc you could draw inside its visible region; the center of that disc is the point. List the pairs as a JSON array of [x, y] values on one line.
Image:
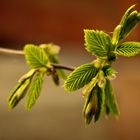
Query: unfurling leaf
[[132, 21], [94, 104], [98, 43], [116, 35], [88, 88], [81, 76], [90, 106], [27, 75], [34, 90], [35, 56], [109, 72], [126, 14], [101, 79], [20, 90], [129, 21], [128, 49], [52, 52], [110, 100], [100, 103], [50, 49]]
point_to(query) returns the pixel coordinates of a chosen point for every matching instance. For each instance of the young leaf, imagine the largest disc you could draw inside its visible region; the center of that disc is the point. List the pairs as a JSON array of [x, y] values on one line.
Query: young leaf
[[131, 22], [81, 76], [101, 79], [89, 112], [128, 22], [116, 35], [125, 16], [88, 88], [100, 103], [35, 56], [87, 99], [138, 16], [34, 90], [18, 93], [52, 51], [109, 71], [98, 43], [128, 49], [110, 99], [21, 88], [90, 106], [27, 75]]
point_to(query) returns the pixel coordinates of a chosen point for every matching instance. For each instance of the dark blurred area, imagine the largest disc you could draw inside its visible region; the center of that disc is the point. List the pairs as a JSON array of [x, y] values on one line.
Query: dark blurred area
[[57, 115], [58, 21]]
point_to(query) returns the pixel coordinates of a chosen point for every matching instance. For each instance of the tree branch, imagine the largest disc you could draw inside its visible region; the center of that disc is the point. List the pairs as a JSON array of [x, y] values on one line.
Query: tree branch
[[58, 66], [20, 52], [11, 51]]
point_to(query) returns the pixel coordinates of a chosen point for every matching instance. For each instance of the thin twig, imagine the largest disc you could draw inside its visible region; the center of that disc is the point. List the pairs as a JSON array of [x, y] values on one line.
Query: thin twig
[[58, 66], [20, 52], [11, 51]]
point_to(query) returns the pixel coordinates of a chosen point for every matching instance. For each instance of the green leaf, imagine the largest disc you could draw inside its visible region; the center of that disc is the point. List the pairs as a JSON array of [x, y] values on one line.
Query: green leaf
[[109, 71], [125, 16], [138, 16], [110, 99], [101, 79], [18, 93], [88, 88], [116, 35], [81, 76], [87, 99], [90, 106], [27, 75], [52, 51], [20, 89], [35, 56], [100, 103], [34, 90], [129, 21], [128, 49], [98, 43]]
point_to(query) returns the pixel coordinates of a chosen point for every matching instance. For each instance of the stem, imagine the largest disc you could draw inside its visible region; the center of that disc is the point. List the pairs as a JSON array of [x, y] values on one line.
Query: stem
[[20, 52], [11, 51], [57, 66]]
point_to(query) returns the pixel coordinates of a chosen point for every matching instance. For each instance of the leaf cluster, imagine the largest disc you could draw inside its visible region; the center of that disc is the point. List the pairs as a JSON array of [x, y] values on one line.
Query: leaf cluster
[[39, 58], [95, 77]]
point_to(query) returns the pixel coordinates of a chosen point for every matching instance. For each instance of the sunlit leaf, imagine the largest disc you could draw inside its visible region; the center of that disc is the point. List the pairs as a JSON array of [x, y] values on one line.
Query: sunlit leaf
[[50, 49], [97, 43], [81, 76], [90, 107], [110, 99], [20, 89], [128, 49], [100, 103], [52, 52], [130, 19], [35, 56], [34, 90]]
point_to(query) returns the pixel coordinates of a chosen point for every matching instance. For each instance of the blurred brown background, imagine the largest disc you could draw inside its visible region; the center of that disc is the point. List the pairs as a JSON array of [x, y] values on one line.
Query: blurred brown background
[[59, 21], [57, 115]]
